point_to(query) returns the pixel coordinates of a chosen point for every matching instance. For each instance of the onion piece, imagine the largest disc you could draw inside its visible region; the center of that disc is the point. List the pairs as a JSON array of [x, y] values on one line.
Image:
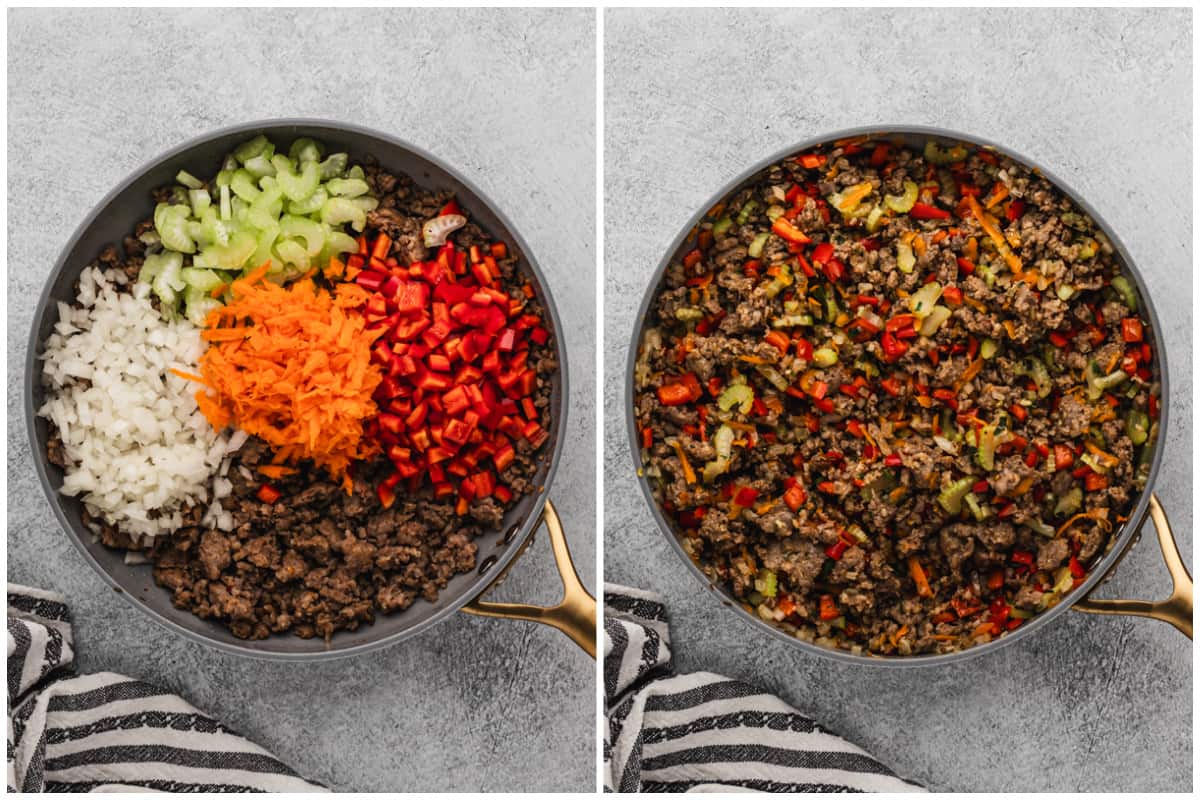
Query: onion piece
[[947, 445], [435, 231]]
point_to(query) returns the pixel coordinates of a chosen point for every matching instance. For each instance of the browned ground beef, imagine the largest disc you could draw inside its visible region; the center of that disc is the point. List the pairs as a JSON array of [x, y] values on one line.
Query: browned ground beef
[[872, 455], [319, 560]]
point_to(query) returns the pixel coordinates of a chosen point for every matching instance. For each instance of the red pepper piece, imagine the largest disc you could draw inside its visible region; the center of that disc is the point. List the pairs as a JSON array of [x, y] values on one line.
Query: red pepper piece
[[268, 493], [822, 253], [795, 497], [827, 608], [1063, 457], [1131, 329], [925, 211]]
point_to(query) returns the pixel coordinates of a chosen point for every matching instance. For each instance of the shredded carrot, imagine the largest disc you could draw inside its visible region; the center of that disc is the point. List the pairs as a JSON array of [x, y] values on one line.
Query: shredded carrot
[[276, 471], [988, 222], [291, 366], [970, 372], [1011, 328], [219, 290], [187, 376], [1098, 515], [999, 192], [939, 236], [754, 359], [1107, 459], [971, 251], [919, 577], [898, 635], [854, 195], [688, 474], [918, 245], [1024, 486]]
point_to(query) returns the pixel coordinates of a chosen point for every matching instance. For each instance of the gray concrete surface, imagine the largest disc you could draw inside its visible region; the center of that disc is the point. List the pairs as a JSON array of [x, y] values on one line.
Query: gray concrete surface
[[1104, 100], [508, 98]]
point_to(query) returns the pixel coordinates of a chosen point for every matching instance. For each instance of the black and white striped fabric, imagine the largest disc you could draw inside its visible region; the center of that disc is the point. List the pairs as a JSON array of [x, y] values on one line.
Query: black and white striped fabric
[[702, 732], [106, 732]]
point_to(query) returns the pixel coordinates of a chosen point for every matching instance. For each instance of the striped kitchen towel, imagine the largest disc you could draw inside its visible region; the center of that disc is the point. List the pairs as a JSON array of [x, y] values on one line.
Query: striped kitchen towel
[[106, 732], [703, 732]]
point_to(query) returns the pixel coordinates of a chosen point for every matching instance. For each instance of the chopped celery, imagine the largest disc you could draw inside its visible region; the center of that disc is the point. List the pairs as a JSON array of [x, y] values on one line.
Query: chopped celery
[[825, 357], [738, 394], [935, 154], [719, 228], [688, 314], [1065, 292], [200, 200], [773, 376], [1126, 291], [904, 203], [1036, 369], [873, 218], [986, 454], [1137, 426], [203, 279], [305, 149], [296, 186], [1063, 580], [792, 321], [723, 445], [338, 210], [197, 304], [979, 512], [335, 165], [261, 167], [1039, 527], [937, 315], [921, 302], [748, 208], [255, 147], [1099, 384], [1069, 503], [987, 348], [756, 247], [311, 205], [774, 212], [244, 185], [767, 583], [1087, 249], [951, 498], [261, 207], [355, 187], [780, 282], [189, 180], [905, 260], [1020, 613]]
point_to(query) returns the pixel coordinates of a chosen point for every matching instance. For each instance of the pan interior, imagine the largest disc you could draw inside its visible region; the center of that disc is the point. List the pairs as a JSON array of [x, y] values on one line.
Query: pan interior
[[113, 219]]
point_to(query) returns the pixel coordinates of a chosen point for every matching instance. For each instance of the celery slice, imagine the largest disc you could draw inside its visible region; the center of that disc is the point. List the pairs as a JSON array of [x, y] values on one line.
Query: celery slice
[[189, 180], [334, 166], [248, 150], [340, 209], [305, 149]]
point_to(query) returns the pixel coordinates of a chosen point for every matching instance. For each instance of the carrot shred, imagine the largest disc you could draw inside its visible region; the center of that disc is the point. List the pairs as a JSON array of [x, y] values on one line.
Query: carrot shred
[[291, 366], [919, 577], [688, 474], [276, 471], [187, 376], [1098, 515]]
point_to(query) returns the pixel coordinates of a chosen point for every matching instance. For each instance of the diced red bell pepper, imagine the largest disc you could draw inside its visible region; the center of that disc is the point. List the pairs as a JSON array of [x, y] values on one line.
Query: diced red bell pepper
[[822, 253], [828, 609], [1064, 457], [1131, 329], [925, 211], [795, 497], [268, 493], [746, 496]]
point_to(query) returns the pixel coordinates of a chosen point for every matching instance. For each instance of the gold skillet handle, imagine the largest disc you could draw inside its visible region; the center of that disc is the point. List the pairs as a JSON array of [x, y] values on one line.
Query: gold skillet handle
[[575, 615], [1176, 609]]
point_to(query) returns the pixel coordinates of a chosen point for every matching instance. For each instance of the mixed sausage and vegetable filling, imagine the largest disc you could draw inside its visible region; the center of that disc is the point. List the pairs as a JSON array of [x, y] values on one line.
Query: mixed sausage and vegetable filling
[[897, 400], [302, 390]]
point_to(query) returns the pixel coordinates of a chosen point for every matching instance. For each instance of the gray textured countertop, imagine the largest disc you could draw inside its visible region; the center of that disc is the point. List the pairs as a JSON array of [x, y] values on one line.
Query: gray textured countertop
[[506, 97], [1101, 98]]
